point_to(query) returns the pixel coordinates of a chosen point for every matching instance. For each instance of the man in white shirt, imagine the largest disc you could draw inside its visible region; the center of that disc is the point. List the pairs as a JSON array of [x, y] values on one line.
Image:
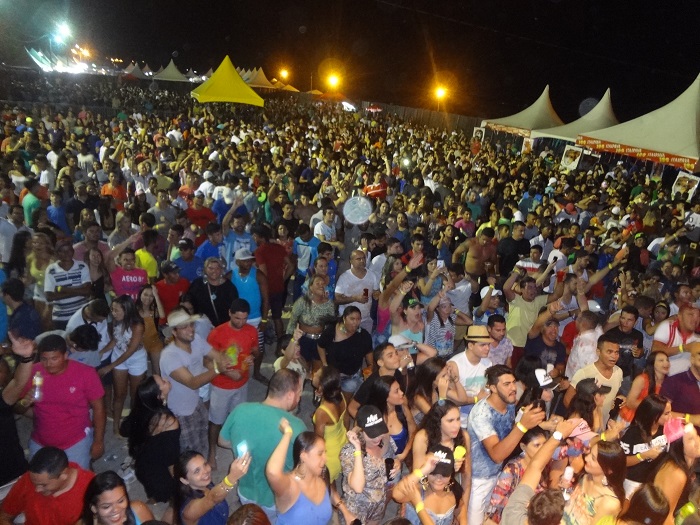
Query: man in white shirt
[[469, 367], [357, 286], [583, 351], [673, 336], [393, 247], [8, 228]]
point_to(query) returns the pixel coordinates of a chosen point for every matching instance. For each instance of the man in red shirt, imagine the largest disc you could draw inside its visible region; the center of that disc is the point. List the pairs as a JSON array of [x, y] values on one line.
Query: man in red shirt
[[171, 286], [272, 260], [50, 493], [229, 389], [200, 215]]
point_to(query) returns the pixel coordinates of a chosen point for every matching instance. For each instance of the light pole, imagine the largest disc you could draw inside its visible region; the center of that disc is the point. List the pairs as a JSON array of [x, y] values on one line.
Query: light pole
[[440, 93], [333, 81], [284, 74]]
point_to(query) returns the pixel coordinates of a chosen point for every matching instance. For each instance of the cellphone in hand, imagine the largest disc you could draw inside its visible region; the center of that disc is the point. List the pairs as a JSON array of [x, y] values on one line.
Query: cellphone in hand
[[241, 449]]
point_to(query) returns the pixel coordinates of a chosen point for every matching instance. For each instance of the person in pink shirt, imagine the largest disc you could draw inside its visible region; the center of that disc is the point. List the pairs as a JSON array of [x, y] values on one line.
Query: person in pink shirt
[[126, 278], [62, 415]]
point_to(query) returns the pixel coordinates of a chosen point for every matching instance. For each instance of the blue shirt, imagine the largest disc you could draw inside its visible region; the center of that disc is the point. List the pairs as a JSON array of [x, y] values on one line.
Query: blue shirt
[[234, 242], [306, 253], [190, 270], [207, 249], [485, 421], [58, 217]]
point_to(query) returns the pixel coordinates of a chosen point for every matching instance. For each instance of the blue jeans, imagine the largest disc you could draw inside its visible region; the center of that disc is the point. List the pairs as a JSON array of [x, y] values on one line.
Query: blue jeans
[[271, 512], [79, 453]]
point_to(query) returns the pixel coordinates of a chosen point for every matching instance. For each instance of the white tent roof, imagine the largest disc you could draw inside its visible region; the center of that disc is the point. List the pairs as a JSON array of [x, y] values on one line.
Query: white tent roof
[[259, 80], [291, 88], [669, 135], [539, 115], [171, 74], [190, 73], [146, 70], [600, 117], [128, 68], [136, 72]]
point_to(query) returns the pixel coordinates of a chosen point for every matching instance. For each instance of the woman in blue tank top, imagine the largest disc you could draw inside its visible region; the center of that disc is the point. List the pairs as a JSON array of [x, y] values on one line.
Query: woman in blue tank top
[[386, 394], [106, 501], [302, 495]]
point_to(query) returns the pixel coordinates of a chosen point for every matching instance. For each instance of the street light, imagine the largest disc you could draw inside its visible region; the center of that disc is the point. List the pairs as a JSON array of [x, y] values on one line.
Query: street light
[[62, 33], [333, 81], [284, 74], [440, 93]]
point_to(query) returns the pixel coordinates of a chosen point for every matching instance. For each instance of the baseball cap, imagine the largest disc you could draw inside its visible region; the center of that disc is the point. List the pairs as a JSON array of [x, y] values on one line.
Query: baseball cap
[[583, 432], [399, 340], [445, 465], [410, 302], [615, 210], [186, 243], [244, 254], [168, 267], [485, 290], [544, 379], [591, 387], [371, 421], [594, 307], [478, 334], [208, 174]]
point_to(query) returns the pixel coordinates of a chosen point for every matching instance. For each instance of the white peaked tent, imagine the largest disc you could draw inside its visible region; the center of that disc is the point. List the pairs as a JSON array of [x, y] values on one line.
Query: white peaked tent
[[147, 71], [159, 70], [171, 74], [291, 88], [137, 72], [668, 135], [249, 73], [209, 73], [190, 73], [539, 115], [600, 117], [128, 68], [259, 80]]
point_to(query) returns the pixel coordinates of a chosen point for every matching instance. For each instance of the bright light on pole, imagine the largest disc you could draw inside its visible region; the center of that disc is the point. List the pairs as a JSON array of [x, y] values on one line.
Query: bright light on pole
[[63, 29], [333, 81], [440, 93], [284, 74]]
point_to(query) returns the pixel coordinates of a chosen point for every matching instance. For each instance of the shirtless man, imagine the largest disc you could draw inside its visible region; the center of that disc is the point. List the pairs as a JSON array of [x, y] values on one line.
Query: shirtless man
[[481, 254]]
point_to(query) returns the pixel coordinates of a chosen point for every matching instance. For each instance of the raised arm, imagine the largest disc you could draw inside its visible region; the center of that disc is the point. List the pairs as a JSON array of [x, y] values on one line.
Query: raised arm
[[274, 471]]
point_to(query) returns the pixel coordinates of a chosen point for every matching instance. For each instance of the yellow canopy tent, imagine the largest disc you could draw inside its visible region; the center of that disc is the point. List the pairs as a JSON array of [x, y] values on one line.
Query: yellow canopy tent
[[226, 85]]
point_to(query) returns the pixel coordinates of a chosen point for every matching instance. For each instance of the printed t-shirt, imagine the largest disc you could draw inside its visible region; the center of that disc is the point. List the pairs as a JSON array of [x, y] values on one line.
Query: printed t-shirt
[[128, 282], [238, 345]]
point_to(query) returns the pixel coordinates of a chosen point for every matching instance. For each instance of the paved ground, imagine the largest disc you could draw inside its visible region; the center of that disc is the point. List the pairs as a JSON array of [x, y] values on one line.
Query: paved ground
[[116, 447]]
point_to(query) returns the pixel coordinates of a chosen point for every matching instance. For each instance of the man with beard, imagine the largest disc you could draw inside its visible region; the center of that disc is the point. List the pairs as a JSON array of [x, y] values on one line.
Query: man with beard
[[494, 434]]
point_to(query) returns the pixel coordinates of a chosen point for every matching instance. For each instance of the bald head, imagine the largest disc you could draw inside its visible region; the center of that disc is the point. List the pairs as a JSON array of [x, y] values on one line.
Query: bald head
[[358, 259]]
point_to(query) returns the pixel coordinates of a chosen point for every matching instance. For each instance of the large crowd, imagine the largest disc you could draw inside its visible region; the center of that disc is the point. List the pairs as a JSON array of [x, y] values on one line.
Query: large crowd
[[497, 340]]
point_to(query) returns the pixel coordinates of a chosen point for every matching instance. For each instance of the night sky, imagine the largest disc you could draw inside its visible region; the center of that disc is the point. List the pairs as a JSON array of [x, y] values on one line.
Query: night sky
[[494, 56]]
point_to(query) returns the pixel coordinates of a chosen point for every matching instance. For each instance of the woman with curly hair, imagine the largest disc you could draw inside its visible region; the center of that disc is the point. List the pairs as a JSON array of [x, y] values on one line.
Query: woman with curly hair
[[442, 426], [106, 502]]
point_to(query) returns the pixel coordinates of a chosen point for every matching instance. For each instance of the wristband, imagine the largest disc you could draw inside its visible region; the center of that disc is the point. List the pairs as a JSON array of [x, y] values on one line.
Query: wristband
[[610, 266], [357, 453], [602, 436], [639, 457], [558, 435], [407, 269], [686, 418], [216, 368], [680, 349], [418, 473], [521, 427], [420, 507], [59, 288], [476, 399], [457, 311], [288, 430], [228, 483], [29, 359]]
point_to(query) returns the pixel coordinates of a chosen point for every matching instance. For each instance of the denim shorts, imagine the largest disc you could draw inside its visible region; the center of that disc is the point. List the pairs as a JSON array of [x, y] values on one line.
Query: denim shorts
[[350, 383]]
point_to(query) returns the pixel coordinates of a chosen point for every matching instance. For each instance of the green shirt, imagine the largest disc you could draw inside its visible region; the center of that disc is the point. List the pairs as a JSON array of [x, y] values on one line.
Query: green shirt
[[258, 425], [30, 203]]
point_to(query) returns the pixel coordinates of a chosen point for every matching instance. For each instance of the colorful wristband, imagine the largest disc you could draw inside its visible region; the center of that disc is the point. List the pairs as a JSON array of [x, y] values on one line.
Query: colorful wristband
[[476, 399], [420, 507], [639, 457], [521, 427], [357, 453], [680, 348], [602, 436], [227, 482], [686, 418], [418, 473]]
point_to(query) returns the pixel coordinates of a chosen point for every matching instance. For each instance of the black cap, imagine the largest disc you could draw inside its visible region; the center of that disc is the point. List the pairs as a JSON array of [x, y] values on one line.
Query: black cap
[[590, 387], [168, 267], [371, 421], [186, 243], [446, 461]]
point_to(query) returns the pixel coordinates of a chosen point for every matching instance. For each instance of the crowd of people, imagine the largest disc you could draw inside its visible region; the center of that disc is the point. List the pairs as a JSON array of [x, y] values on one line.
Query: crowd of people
[[500, 340]]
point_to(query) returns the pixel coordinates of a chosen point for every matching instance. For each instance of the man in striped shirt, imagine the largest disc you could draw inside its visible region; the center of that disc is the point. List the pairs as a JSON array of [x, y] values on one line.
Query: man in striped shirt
[[67, 285]]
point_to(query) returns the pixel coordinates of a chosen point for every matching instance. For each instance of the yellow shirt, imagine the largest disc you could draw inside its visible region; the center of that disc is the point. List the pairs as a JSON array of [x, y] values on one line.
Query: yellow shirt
[[147, 262], [521, 317]]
